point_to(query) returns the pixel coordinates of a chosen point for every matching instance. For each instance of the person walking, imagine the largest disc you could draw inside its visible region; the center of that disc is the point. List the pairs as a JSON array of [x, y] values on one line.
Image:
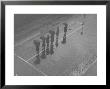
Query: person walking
[[57, 35]]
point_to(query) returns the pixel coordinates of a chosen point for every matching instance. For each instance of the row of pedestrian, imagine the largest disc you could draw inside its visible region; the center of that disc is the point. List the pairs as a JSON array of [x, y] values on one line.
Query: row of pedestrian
[[47, 43], [45, 46]]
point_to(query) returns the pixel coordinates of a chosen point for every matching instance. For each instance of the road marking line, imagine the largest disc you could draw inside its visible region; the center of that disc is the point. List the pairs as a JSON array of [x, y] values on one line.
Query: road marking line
[[85, 70], [32, 65], [27, 39]]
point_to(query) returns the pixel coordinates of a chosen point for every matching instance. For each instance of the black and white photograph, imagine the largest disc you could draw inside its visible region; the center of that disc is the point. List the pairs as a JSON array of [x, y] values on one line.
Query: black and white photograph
[[55, 44]]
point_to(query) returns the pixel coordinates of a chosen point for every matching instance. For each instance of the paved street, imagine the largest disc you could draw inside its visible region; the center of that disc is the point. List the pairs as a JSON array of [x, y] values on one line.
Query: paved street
[[78, 48]]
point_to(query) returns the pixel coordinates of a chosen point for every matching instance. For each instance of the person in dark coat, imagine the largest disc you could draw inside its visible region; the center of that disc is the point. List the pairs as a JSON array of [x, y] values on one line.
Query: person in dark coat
[[65, 27], [47, 42], [57, 35], [37, 46], [65, 31], [52, 33], [43, 55], [83, 23]]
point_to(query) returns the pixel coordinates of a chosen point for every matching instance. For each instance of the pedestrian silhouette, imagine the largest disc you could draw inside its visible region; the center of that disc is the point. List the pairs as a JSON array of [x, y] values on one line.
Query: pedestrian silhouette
[[43, 53], [65, 31], [82, 27], [64, 39], [47, 42], [57, 35], [52, 33], [51, 49], [65, 27]]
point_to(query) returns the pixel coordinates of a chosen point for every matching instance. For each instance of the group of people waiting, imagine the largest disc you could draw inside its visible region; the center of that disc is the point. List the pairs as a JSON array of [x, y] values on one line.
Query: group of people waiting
[[48, 42]]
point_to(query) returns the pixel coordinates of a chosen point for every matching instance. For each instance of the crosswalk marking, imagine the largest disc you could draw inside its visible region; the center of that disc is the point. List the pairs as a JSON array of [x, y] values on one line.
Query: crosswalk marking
[[31, 65]]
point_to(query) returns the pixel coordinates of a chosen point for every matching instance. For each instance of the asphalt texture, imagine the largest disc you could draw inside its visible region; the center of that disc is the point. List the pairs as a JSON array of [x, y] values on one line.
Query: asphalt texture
[[79, 53]]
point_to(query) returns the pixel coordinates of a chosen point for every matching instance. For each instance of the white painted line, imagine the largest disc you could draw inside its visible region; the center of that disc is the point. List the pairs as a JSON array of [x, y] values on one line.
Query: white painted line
[[85, 70], [88, 67], [32, 66], [27, 39], [74, 31]]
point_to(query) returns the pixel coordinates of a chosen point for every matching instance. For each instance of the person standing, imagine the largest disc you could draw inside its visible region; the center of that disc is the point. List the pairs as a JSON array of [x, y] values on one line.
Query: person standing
[[43, 55], [83, 23], [57, 35], [37, 46], [52, 33], [47, 42], [82, 27], [65, 31]]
